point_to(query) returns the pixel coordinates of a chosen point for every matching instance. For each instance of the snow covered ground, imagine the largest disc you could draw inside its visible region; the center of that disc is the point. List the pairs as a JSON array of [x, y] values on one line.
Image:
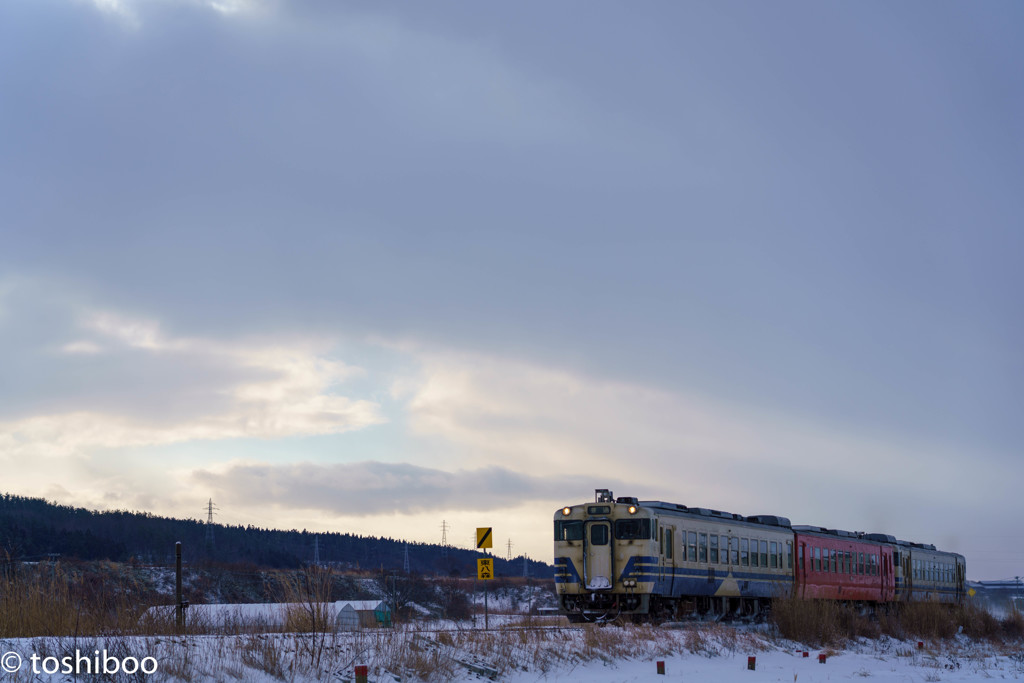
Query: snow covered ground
[[708, 652], [864, 663]]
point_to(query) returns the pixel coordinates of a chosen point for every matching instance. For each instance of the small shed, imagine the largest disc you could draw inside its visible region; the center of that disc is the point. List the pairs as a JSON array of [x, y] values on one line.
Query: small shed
[[359, 614]]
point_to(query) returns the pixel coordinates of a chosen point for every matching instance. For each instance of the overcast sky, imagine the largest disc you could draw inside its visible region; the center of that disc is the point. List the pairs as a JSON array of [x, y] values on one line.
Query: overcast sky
[[369, 267]]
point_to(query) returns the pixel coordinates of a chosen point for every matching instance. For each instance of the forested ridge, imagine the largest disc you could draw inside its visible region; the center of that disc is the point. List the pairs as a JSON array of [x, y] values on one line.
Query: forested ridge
[[34, 529]]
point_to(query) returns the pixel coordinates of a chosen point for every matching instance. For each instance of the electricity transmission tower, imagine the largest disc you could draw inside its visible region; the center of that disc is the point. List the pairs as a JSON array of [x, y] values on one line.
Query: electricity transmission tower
[[508, 555], [210, 507], [445, 526]]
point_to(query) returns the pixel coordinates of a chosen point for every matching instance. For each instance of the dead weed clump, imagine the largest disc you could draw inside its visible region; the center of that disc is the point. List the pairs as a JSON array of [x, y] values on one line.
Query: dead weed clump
[[814, 622]]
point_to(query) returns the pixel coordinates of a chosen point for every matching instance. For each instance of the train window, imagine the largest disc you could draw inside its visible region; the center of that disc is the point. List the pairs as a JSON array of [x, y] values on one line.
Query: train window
[[789, 554], [850, 559], [816, 561], [835, 566], [668, 543], [693, 546], [860, 564], [725, 550], [842, 563], [598, 510], [629, 529], [734, 550], [753, 552], [703, 548], [744, 552], [774, 555], [599, 534], [714, 549], [764, 553], [569, 530], [661, 541]]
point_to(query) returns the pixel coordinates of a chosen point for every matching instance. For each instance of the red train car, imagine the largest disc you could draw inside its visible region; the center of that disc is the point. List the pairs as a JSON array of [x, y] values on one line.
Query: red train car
[[841, 565]]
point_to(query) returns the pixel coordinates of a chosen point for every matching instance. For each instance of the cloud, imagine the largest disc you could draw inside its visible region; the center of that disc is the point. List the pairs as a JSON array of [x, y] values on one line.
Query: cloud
[[375, 488], [129, 10], [86, 378], [686, 447]]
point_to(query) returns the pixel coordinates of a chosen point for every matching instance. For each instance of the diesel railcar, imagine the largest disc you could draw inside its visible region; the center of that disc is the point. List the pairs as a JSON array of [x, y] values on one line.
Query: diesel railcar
[[621, 557]]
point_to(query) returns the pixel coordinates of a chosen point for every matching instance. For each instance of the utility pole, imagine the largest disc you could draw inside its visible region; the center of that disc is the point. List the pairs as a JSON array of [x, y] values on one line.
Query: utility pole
[[179, 608], [405, 564], [316, 551]]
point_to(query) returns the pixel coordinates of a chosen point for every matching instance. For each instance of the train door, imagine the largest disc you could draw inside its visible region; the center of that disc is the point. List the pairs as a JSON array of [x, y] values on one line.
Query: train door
[[887, 582], [908, 575], [801, 570], [597, 561], [959, 580], [668, 560]]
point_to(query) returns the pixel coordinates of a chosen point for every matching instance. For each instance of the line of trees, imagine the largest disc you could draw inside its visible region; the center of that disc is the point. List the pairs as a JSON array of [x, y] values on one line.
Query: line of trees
[[36, 529]]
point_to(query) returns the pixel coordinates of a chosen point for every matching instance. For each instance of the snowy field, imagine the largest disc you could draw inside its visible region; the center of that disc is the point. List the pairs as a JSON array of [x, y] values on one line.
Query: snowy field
[[710, 653]]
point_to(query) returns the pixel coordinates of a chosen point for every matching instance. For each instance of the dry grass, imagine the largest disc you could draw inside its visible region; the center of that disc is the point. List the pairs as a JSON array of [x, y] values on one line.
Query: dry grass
[[47, 600], [822, 623]]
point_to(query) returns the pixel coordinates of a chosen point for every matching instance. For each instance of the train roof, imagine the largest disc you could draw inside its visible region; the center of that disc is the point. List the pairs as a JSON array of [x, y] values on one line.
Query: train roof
[[766, 520]]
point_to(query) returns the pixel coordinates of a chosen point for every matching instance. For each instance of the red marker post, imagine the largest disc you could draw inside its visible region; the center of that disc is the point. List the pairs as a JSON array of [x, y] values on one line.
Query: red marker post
[[661, 668], [361, 674], [752, 663]]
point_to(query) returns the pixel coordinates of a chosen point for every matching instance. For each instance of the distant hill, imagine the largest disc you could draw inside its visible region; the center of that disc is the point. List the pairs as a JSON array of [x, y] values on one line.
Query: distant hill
[[34, 529]]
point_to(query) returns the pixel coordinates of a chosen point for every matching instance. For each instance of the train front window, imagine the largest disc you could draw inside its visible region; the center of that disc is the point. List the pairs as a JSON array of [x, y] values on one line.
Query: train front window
[[631, 529], [570, 530], [599, 534]]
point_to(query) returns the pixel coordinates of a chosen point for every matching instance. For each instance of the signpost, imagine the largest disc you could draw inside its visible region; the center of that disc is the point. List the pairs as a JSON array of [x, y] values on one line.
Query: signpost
[[485, 565]]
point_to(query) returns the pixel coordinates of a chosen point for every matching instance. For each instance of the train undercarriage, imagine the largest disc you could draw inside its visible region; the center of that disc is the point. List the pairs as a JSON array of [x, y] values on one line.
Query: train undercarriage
[[608, 607]]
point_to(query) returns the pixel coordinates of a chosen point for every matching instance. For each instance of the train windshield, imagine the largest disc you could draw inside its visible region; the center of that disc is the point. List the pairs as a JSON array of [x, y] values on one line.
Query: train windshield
[[569, 530], [628, 529]]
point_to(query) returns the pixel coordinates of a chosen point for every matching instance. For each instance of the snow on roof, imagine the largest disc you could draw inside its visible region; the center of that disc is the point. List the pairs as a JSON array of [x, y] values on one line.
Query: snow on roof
[[363, 605]]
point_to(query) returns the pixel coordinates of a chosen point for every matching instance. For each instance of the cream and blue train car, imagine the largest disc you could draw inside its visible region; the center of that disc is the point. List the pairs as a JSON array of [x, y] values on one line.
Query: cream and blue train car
[[924, 574], [620, 557]]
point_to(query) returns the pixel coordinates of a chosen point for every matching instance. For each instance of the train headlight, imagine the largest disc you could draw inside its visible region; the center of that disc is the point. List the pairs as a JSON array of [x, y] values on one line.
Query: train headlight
[[632, 509], [629, 583], [566, 511]]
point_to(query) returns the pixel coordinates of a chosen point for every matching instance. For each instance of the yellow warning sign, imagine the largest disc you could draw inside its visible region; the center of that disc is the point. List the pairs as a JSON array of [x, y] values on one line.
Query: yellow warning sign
[[971, 592], [483, 537], [485, 568]]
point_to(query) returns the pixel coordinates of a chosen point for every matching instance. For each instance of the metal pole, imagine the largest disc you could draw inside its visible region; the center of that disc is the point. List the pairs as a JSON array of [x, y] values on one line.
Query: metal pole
[[486, 625], [179, 612]]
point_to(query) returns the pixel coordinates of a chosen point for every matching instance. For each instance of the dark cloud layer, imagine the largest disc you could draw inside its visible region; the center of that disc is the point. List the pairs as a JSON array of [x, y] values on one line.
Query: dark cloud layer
[[376, 488]]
